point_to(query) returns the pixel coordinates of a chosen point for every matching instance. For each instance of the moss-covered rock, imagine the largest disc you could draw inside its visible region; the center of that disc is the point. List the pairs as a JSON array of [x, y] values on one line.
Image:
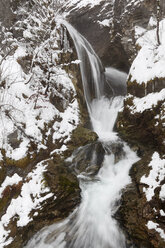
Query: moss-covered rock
[[81, 136]]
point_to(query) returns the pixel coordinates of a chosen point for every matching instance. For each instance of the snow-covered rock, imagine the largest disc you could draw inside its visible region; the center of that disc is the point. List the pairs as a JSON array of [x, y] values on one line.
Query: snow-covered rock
[[142, 123]]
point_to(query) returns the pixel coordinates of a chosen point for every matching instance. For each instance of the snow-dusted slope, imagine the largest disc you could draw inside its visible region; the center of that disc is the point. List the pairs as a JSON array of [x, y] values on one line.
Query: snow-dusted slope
[[38, 112], [147, 70], [78, 4], [142, 122], [150, 60]]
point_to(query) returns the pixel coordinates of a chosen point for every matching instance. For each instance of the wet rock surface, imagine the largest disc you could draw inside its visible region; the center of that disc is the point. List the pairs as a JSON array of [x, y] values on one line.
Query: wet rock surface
[[135, 211], [87, 159]]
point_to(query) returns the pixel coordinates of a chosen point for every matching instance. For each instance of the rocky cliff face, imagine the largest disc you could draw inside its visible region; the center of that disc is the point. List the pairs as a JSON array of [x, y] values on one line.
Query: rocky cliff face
[[110, 27], [141, 123]]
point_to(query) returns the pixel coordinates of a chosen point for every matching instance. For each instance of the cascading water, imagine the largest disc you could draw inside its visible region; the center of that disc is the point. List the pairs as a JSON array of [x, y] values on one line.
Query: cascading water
[[92, 71], [92, 225]]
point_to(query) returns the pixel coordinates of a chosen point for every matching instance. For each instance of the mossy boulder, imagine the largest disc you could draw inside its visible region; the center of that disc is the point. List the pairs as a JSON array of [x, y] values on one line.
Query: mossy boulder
[[81, 136]]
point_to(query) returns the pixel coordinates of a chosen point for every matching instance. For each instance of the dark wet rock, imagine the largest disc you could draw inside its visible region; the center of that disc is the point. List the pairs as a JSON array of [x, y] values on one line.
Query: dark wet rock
[[135, 211], [142, 129], [87, 159], [116, 149], [141, 90], [86, 21], [13, 139]]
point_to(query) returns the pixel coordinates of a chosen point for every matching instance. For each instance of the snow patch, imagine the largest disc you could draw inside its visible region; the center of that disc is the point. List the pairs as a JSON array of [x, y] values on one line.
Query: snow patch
[[9, 181], [84, 3], [105, 23], [155, 226], [150, 60], [156, 175], [146, 102], [33, 193]]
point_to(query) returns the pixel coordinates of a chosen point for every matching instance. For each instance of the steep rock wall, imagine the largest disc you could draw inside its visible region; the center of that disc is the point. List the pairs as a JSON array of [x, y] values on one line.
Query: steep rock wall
[[110, 27], [141, 123]]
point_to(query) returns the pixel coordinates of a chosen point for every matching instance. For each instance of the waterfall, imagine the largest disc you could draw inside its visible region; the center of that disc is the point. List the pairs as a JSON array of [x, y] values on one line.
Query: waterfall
[[92, 71], [92, 224]]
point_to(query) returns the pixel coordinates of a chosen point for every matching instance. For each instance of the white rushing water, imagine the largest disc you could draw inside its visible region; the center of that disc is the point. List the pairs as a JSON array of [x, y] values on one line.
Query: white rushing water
[[103, 116], [92, 225], [92, 71]]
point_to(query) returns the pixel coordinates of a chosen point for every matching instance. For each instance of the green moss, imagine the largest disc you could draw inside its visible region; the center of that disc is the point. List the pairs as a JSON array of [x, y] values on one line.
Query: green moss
[[21, 163], [67, 185], [83, 135], [80, 137], [3, 203]]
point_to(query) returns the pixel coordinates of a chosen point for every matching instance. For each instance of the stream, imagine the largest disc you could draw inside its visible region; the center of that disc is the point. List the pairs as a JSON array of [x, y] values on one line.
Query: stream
[[92, 224]]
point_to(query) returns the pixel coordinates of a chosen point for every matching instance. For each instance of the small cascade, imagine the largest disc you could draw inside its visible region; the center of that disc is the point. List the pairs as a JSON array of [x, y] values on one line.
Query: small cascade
[[103, 116], [92, 70], [92, 225]]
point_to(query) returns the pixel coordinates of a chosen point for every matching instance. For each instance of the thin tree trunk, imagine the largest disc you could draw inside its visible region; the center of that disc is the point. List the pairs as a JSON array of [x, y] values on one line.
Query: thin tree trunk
[[158, 21]]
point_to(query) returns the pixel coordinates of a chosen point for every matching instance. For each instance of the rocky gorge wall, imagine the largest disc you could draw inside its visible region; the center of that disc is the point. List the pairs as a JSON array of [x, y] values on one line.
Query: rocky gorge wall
[[141, 124]]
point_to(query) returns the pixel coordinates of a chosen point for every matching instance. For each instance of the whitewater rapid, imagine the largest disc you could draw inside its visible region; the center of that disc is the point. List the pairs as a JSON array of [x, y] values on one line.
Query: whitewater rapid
[[92, 224]]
